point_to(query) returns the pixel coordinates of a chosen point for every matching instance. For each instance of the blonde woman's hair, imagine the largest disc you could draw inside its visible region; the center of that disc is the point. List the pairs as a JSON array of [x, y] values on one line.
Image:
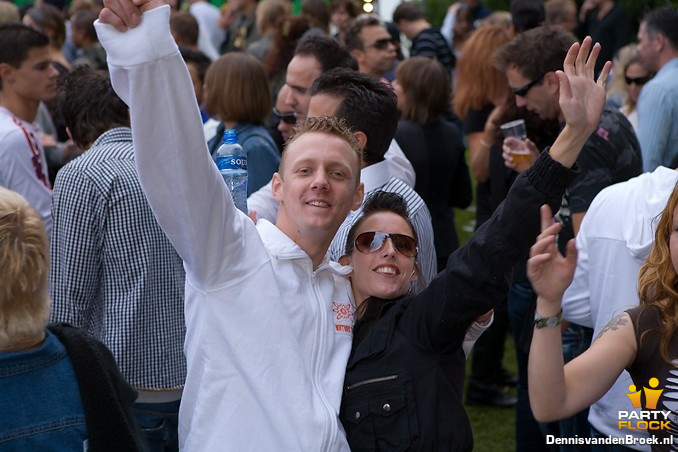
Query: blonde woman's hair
[[617, 86], [24, 269], [657, 278]]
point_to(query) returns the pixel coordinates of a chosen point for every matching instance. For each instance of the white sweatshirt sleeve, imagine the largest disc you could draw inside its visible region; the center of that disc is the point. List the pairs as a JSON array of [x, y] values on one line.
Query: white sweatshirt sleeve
[[182, 184]]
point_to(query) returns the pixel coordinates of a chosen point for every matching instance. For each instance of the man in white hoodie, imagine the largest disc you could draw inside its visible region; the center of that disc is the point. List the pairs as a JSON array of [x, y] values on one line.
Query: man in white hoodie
[[614, 240], [268, 318]]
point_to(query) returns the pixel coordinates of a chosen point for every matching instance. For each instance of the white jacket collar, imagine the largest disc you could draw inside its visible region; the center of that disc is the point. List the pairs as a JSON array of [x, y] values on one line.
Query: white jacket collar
[[375, 176], [280, 246]]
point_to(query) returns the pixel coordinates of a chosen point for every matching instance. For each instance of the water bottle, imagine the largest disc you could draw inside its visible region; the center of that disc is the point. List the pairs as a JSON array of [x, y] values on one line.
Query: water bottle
[[232, 164]]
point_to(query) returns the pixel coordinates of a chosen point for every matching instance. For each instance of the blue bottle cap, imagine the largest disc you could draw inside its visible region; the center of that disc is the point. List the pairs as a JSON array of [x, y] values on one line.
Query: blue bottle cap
[[230, 137]]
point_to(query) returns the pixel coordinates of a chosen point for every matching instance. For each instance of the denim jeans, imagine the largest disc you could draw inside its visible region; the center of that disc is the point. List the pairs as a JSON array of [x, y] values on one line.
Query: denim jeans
[[576, 340], [159, 425]]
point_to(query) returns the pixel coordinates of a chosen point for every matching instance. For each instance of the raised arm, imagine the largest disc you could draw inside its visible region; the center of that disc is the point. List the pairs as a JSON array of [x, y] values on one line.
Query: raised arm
[[475, 279], [558, 391], [182, 185], [582, 99]]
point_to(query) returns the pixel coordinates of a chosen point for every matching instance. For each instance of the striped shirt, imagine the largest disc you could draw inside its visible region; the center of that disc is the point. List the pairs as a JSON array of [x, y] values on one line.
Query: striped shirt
[[114, 272], [376, 177], [430, 43]]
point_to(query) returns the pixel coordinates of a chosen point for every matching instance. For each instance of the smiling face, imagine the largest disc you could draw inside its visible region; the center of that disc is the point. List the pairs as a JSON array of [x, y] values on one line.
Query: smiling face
[[385, 273], [317, 186]]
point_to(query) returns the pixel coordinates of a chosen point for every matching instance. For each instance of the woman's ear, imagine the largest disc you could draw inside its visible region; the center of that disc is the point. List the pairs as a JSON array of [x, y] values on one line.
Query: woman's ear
[[345, 260]]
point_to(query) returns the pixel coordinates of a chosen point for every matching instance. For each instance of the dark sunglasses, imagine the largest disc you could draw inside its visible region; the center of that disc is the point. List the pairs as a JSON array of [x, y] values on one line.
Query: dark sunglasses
[[370, 242], [522, 91], [287, 118], [381, 44], [638, 80]]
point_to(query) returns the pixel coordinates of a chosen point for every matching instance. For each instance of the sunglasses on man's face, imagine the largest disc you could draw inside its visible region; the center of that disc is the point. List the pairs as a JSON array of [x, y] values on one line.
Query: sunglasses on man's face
[[522, 91], [370, 242], [287, 118], [637, 80], [381, 44]]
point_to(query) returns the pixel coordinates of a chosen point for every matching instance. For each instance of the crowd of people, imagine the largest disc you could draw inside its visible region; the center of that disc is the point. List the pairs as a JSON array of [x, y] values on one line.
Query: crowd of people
[[140, 310]]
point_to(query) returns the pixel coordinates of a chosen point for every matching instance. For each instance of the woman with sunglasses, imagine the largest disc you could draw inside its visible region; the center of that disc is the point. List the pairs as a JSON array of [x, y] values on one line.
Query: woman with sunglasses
[[635, 77], [405, 376]]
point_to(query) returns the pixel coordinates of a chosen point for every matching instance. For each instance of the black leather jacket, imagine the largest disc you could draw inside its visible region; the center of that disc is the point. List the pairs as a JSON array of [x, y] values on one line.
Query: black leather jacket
[[404, 380]]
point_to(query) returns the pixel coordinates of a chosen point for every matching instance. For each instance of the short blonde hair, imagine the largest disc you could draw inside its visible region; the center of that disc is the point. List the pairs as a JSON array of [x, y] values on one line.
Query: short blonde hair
[[24, 269], [331, 126]]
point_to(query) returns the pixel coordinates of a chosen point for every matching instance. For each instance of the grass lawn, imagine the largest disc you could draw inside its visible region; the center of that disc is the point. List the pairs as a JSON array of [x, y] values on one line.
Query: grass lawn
[[493, 428]]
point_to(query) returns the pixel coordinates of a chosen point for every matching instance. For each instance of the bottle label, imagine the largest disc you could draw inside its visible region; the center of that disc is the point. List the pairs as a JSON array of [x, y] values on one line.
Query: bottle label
[[232, 162]]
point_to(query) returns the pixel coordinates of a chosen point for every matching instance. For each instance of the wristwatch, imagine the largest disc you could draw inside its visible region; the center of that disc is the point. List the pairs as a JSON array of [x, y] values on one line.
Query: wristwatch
[[547, 322]]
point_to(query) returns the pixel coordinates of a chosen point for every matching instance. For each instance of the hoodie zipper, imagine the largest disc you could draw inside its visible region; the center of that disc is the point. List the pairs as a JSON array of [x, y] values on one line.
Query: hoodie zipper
[[330, 434]]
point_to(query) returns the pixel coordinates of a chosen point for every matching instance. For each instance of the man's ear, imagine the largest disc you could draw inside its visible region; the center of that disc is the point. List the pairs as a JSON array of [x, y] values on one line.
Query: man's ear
[[551, 80], [6, 72], [358, 54], [359, 194], [660, 41], [277, 187], [362, 139]]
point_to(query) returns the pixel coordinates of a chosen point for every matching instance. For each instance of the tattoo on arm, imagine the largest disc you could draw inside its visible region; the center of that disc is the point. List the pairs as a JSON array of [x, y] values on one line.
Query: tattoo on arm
[[613, 324]]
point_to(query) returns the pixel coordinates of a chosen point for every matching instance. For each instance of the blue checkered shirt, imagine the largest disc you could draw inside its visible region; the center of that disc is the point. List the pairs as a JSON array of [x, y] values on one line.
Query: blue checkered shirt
[[114, 272]]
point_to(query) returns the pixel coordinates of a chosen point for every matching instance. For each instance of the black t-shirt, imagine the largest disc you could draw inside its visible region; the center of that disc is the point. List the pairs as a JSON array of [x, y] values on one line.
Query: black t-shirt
[[611, 155], [475, 122], [436, 152], [647, 323]]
